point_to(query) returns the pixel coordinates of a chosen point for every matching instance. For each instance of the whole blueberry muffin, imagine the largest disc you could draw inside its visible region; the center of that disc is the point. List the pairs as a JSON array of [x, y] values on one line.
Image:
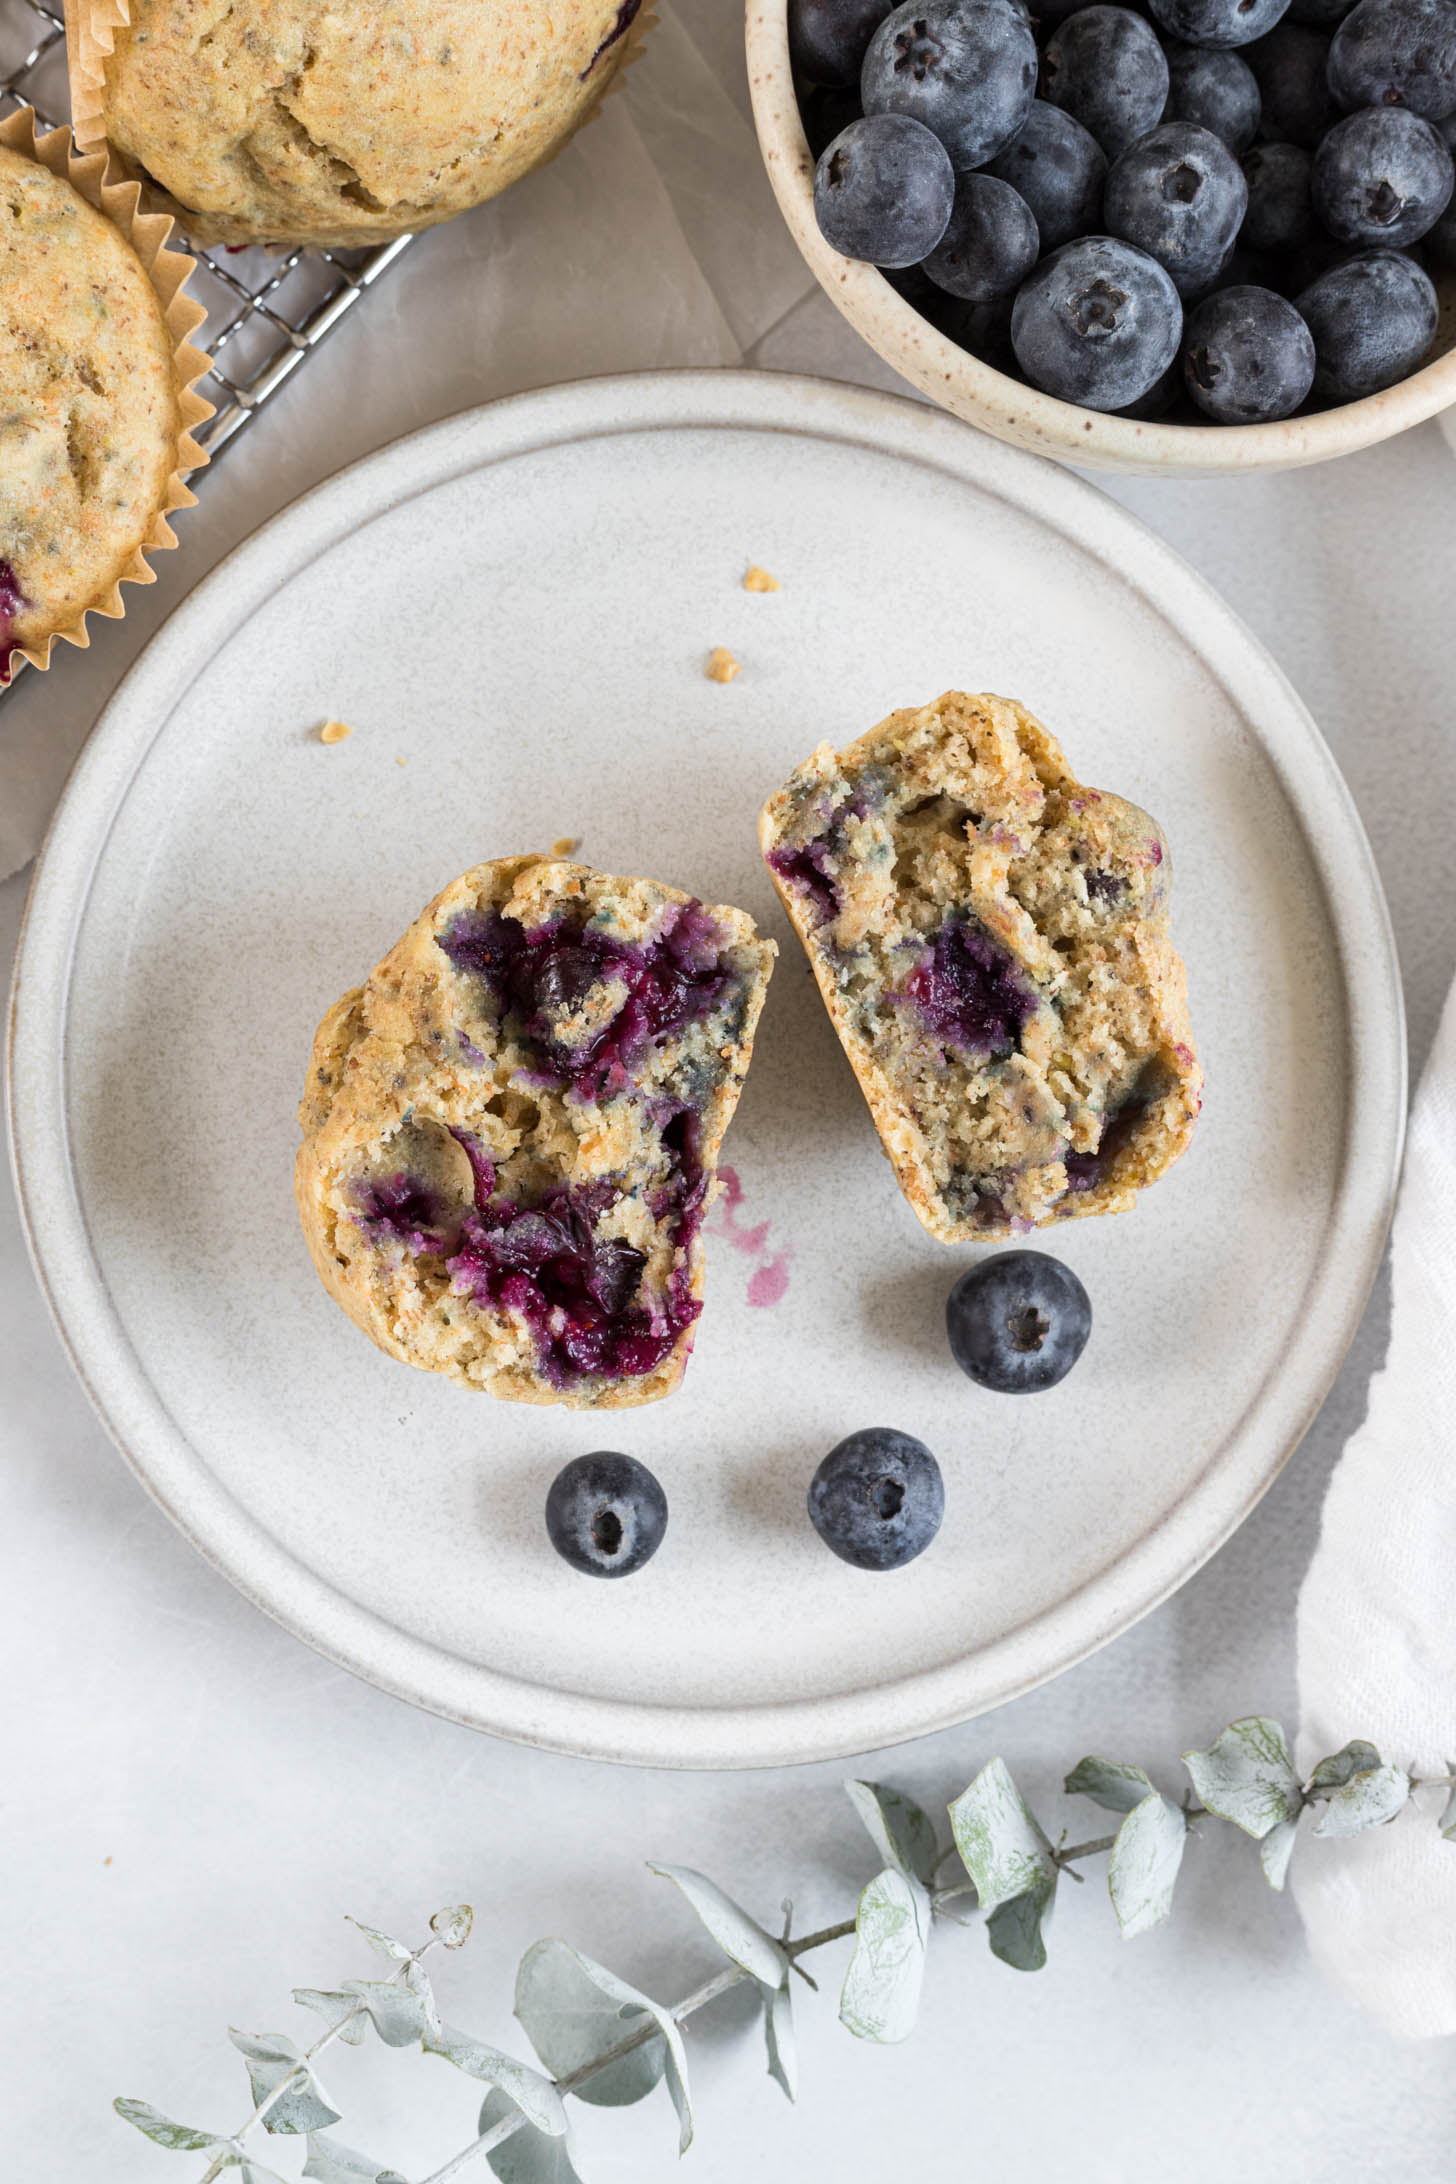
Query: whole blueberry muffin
[[90, 418], [511, 1130], [280, 121], [992, 943]]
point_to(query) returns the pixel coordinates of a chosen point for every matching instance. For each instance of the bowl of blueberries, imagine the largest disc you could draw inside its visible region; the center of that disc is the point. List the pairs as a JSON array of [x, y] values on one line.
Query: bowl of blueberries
[[1177, 236]]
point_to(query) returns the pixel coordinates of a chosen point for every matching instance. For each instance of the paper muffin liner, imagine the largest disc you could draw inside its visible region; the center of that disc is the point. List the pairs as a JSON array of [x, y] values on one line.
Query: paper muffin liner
[[91, 27], [168, 270]]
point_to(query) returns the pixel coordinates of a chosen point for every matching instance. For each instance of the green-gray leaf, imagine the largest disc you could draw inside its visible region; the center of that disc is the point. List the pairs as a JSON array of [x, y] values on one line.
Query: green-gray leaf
[[272, 2058], [574, 2009], [1108, 1782], [535, 2095], [527, 2156], [1001, 1845], [778, 2033], [384, 1944], [901, 1832], [1356, 1757], [737, 1935], [330, 2163], [338, 2009], [1447, 1822], [179, 2138], [452, 1926], [1143, 1867], [1276, 1850], [396, 2015], [1015, 1929], [882, 1986], [1247, 1776], [1367, 1800]]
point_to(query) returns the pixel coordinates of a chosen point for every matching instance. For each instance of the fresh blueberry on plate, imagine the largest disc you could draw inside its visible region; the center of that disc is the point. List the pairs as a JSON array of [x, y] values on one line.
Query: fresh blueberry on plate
[[877, 1499], [828, 39], [1178, 194], [1382, 177], [1248, 357], [1105, 67], [1097, 323], [1058, 168], [1373, 319], [1396, 53], [606, 1514], [1280, 215], [990, 245], [1018, 1322], [965, 68], [1215, 90], [883, 190]]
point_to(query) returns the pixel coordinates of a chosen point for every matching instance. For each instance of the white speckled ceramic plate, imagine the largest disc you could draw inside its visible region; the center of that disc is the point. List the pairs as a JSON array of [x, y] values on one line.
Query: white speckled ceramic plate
[[513, 610]]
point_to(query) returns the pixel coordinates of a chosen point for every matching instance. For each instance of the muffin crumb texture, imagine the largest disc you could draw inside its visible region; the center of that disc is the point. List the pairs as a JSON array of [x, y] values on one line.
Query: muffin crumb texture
[[284, 121], [511, 1130], [992, 941], [759, 580], [722, 667], [334, 731]]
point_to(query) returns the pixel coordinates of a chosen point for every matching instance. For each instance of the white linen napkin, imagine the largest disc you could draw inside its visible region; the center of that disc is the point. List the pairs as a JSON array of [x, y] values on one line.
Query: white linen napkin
[[1377, 1612]]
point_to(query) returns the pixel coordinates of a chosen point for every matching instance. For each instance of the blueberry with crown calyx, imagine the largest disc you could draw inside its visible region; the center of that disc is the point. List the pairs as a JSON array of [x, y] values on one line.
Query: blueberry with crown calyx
[[1018, 1322], [606, 1514], [877, 1499]]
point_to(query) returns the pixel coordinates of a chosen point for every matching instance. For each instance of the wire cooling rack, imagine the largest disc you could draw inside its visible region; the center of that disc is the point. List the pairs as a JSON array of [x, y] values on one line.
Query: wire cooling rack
[[265, 314]]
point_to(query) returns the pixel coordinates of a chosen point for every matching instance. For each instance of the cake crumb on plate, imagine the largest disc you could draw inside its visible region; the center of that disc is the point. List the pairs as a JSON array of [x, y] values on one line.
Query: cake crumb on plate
[[565, 844], [758, 579], [721, 667], [334, 731]]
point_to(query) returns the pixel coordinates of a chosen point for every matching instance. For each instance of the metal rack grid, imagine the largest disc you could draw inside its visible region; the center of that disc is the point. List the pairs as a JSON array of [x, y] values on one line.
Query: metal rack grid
[[265, 313]]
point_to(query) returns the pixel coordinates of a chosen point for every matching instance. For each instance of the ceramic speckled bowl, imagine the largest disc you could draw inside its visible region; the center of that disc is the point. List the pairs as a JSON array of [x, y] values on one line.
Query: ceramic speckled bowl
[[968, 388]]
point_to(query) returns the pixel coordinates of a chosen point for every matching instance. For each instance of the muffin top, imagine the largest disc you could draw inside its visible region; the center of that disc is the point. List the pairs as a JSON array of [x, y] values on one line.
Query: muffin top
[[287, 121], [89, 418]]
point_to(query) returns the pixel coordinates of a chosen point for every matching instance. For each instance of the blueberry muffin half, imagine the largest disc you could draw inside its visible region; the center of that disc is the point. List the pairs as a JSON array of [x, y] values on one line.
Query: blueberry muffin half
[[511, 1130], [992, 943]]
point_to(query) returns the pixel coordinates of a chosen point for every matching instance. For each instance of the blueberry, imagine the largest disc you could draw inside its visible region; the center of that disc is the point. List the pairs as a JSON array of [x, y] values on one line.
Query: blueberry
[[1439, 242], [1397, 53], [1215, 90], [982, 328], [828, 38], [825, 114], [1381, 176], [1320, 14], [1281, 210], [1248, 357], [883, 190], [877, 1499], [1018, 1322], [1249, 268], [1290, 67], [1106, 68], [1059, 169], [606, 1514], [1178, 194], [1097, 322], [990, 245], [1373, 319], [965, 68], [1217, 23], [1161, 397]]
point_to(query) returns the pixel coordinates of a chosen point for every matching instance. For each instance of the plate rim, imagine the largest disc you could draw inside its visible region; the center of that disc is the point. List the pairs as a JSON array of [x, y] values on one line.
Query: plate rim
[[427, 1675]]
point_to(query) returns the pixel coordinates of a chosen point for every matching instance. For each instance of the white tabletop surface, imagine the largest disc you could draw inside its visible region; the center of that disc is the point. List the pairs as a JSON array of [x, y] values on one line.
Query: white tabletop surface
[[191, 1800]]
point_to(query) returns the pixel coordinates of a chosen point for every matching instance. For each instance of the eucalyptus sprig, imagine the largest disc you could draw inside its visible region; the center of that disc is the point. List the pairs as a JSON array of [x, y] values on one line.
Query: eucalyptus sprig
[[608, 2044]]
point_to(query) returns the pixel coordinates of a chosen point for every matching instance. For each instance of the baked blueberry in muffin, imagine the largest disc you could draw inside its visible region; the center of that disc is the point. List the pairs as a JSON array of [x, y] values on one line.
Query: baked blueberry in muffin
[[992, 943], [511, 1130]]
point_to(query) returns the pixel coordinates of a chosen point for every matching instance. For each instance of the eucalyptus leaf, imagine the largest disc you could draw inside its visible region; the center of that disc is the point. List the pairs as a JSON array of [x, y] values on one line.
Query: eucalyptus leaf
[[881, 1992], [535, 2095], [1356, 1757], [527, 2156], [179, 2138], [574, 2010], [396, 2015], [778, 2034], [1015, 1930], [1247, 1776], [339, 2010], [385, 1944], [1276, 1850], [901, 1832], [1447, 1822], [1367, 1800], [736, 1934], [452, 1926], [330, 2163], [272, 2058], [1143, 1867], [1001, 1846], [1108, 1782]]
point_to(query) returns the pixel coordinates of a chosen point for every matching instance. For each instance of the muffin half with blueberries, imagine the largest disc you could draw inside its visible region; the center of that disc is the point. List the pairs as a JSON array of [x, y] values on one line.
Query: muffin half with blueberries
[[991, 940], [511, 1130]]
